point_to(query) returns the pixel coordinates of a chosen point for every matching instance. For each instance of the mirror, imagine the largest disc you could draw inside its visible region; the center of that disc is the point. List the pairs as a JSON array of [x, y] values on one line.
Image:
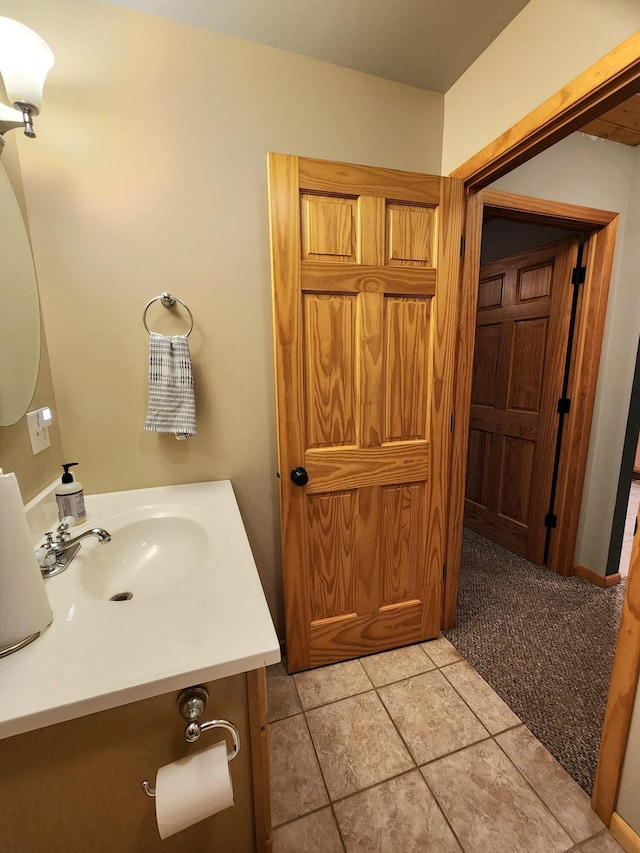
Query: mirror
[[19, 311]]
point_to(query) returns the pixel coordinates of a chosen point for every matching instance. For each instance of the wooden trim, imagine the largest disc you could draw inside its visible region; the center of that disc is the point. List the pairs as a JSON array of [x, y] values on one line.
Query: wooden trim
[[602, 86], [623, 834], [622, 694], [586, 361], [462, 402], [259, 733], [587, 347], [284, 216], [539, 211], [605, 581]]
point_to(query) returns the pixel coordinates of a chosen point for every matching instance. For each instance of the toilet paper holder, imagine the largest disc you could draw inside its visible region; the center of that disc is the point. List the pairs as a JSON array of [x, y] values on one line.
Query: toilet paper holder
[[191, 705]]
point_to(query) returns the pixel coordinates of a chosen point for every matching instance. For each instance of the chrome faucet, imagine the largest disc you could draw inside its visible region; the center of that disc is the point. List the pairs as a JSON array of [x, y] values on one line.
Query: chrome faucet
[[55, 555]]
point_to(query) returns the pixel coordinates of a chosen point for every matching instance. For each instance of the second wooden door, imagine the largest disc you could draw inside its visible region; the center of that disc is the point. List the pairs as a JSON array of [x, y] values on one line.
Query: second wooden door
[[521, 338]]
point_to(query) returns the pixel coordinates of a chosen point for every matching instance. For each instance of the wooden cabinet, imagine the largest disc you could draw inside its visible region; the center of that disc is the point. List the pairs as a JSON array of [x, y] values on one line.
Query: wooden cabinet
[[77, 786]]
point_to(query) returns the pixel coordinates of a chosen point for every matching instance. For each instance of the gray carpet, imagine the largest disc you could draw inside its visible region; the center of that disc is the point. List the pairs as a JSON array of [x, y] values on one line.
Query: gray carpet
[[544, 643]]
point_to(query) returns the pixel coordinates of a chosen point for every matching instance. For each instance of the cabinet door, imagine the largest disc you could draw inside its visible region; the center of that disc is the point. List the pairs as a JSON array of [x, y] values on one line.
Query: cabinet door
[[77, 786]]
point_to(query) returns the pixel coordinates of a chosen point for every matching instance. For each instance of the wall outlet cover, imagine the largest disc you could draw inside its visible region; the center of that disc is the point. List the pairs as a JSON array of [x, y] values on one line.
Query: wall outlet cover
[[39, 436]]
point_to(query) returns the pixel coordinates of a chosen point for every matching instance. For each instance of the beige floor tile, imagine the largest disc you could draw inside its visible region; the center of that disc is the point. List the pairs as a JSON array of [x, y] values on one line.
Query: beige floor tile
[[441, 651], [311, 834], [399, 815], [296, 781], [281, 693], [485, 703], [490, 806], [430, 716], [552, 783], [602, 843], [395, 665], [357, 744], [330, 683]]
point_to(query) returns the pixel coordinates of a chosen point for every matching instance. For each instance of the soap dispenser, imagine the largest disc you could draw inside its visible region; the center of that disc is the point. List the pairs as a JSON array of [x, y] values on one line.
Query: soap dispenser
[[70, 496]]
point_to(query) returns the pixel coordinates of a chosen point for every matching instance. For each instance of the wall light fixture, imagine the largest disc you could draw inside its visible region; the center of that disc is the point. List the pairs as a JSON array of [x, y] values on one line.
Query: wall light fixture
[[25, 60]]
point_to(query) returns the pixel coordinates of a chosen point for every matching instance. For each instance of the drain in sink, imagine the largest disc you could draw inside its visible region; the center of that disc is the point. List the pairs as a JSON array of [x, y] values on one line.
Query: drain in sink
[[122, 596]]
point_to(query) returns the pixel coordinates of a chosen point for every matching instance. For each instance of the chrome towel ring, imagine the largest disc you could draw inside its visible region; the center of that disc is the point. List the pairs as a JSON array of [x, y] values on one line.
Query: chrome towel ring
[[168, 300]]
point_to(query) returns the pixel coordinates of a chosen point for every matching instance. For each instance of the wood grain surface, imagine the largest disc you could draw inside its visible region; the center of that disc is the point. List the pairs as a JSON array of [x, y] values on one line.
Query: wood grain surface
[[365, 321]]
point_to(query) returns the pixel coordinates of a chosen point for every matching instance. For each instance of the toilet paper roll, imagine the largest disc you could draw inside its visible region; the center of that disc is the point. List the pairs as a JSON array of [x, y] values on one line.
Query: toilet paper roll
[[24, 606], [193, 788]]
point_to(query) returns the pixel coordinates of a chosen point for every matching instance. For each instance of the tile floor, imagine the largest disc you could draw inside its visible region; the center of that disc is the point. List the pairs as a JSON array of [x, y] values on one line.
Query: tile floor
[[411, 750], [627, 539]]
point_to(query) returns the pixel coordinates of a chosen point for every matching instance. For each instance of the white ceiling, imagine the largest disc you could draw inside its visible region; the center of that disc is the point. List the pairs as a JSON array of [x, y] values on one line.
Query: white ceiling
[[424, 43]]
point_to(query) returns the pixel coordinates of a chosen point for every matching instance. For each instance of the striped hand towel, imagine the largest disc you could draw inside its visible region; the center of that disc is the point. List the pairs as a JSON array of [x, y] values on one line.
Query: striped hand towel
[[171, 406]]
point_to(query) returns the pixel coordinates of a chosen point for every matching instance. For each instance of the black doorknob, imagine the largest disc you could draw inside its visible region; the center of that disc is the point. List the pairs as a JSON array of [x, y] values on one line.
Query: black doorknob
[[299, 476]]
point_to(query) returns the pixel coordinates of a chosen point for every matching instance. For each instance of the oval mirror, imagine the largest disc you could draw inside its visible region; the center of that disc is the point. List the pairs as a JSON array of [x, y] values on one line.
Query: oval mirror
[[20, 311]]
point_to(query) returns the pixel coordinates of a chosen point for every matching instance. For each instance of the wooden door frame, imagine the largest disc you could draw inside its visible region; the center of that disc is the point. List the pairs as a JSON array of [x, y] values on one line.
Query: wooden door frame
[[604, 85], [622, 694], [601, 87]]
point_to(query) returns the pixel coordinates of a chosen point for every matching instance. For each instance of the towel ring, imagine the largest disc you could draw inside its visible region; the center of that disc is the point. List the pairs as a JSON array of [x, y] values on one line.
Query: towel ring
[[168, 300]]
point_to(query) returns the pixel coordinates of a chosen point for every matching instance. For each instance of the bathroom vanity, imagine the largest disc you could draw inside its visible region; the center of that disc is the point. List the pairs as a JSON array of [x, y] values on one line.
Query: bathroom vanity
[[88, 711]]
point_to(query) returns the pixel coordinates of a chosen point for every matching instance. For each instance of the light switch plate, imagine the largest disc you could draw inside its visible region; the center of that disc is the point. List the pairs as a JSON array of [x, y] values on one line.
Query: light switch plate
[[39, 436]]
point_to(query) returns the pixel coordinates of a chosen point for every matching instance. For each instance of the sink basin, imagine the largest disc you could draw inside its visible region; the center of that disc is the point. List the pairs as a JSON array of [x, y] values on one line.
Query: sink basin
[[153, 550]]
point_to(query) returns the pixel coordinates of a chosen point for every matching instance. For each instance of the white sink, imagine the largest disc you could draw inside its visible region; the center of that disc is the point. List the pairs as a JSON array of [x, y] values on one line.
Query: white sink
[[198, 611], [153, 550]]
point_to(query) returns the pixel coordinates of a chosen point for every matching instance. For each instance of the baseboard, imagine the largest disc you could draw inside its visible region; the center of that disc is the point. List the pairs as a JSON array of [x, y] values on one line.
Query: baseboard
[[596, 577], [623, 834]]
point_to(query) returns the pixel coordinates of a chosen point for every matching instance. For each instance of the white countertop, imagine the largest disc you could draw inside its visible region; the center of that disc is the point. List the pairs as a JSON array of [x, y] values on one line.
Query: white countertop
[[98, 654]]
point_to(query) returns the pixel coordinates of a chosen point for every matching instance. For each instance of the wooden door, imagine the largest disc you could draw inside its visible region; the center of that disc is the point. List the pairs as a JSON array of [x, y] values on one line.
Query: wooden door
[[521, 337], [365, 269]]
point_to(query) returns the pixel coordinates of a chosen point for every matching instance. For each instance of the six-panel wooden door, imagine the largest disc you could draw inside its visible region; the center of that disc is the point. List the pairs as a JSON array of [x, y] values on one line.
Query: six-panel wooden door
[[521, 334], [365, 267]]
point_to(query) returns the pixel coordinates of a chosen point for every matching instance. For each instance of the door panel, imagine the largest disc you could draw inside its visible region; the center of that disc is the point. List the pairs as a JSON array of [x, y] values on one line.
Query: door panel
[[521, 333], [529, 346], [406, 348], [330, 369], [365, 284]]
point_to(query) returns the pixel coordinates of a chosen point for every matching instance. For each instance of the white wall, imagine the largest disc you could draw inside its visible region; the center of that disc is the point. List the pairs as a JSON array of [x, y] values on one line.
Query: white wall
[[149, 174], [545, 47], [596, 173]]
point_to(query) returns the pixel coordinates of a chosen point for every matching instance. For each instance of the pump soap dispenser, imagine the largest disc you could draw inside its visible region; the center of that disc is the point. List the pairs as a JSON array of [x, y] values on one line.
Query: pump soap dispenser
[[70, 496]]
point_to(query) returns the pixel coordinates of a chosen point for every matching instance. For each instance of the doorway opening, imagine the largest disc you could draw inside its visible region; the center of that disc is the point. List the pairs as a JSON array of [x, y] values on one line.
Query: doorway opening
[[538, 328], [600, 228]]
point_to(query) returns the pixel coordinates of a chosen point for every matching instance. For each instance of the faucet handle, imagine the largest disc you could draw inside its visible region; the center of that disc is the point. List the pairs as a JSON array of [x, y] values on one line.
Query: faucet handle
[[63, 529], [46, 553]]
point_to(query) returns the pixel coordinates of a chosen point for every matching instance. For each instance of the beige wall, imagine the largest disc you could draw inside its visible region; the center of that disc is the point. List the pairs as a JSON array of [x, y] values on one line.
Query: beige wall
[[149, 174], [546, 46], [593, 172], [33, 472]]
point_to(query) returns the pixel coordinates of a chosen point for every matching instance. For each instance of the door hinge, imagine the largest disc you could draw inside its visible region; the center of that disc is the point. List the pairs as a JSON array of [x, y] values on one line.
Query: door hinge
[[564, 406], [579, 275], [444, 571], [551, 520], [462, 245], [451, 423]]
